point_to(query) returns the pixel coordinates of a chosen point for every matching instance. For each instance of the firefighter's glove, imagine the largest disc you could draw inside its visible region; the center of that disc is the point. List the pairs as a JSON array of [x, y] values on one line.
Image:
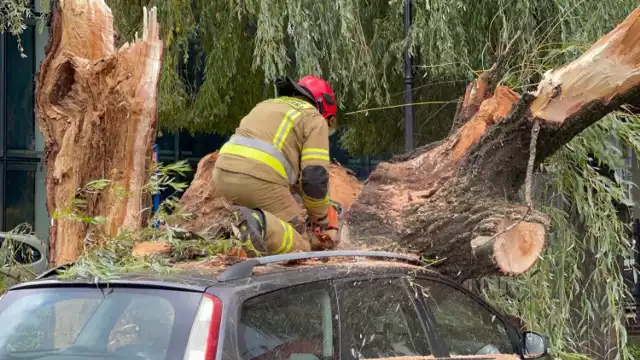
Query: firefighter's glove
[[325, 232]]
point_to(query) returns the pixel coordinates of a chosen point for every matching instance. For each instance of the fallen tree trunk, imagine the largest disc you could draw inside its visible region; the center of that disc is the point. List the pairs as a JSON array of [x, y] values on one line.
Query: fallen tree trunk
[[96, 108], [457, 201]]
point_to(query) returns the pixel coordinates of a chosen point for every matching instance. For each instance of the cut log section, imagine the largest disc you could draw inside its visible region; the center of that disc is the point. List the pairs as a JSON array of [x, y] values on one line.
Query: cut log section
[[96, 108]]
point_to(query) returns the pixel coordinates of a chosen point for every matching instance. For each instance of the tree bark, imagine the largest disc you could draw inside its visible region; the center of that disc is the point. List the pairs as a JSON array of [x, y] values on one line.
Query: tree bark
[[96, 108]]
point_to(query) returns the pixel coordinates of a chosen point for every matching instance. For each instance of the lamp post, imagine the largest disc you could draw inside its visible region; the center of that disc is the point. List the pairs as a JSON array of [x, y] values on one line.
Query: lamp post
[[409, 133]]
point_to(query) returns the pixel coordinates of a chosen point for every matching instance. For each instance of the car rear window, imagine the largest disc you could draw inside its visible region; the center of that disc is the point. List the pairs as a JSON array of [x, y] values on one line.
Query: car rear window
[[113, 323]]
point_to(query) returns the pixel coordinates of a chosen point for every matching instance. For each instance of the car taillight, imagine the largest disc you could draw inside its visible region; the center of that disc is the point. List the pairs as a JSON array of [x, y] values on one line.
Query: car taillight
[[203, 340]]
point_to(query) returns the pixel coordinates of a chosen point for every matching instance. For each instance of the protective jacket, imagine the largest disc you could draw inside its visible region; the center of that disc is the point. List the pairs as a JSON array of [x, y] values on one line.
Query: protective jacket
[[285, 141]]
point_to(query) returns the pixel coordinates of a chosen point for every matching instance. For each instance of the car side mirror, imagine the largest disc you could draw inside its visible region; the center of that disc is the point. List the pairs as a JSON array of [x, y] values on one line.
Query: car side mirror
[[534, 345]]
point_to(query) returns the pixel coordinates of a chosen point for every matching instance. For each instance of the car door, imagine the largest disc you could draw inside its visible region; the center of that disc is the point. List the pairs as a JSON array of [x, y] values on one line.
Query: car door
[[465, 325], [379, 319]]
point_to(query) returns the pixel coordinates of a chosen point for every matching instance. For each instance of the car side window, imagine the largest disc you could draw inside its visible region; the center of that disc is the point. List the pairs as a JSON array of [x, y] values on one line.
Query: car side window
[[297, 322], [380, 320], [467, 327]]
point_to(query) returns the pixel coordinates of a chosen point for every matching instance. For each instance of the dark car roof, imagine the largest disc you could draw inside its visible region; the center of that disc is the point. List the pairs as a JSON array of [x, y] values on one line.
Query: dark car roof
[[198, 276]]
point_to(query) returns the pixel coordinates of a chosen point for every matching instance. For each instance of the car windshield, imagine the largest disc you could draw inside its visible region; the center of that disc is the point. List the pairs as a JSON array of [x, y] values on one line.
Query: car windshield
[[108, 323]]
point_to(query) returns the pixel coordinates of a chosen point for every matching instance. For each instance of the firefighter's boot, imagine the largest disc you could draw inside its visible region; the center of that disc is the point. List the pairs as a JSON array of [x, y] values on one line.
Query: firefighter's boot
[[250, 225]]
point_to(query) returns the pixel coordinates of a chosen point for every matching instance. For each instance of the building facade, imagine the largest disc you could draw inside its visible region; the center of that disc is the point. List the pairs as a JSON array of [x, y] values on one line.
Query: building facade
[[22, 192]]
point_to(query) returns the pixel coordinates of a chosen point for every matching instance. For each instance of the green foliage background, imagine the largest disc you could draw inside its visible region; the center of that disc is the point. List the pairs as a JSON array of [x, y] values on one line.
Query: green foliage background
[[222, 54]]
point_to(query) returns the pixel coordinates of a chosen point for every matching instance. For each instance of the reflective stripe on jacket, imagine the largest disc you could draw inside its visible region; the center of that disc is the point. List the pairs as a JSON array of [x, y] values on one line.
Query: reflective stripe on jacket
[[276, 140]]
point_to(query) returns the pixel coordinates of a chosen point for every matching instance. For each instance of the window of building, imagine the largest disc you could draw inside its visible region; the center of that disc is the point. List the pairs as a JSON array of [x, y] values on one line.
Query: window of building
[[21, 252], [18, 156], [20, 99]]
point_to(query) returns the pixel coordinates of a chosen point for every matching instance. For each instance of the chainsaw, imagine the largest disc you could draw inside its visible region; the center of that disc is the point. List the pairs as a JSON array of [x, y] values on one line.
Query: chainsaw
[[323, 235]]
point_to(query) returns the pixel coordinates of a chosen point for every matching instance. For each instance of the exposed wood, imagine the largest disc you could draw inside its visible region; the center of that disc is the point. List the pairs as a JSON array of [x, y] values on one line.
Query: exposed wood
[[208, 211], [151, 248], [96, 108]]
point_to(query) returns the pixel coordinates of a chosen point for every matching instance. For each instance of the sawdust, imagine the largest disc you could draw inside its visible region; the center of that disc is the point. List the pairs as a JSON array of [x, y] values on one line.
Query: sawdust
[[193, 265], [222, 262], [343, 186], [209, 211], [219, 262]]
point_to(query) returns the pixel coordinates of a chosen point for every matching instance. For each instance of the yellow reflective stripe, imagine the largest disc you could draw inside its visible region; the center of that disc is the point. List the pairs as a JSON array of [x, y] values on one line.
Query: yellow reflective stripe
[[257, 217], [263, 157], [290, 245], [297, 103], [315, 151], [285, 128], [318, 157], [287, 239], [310, 202]]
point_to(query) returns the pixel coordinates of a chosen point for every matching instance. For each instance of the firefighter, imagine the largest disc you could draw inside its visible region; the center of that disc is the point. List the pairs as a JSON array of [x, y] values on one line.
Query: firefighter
[[280, 146]]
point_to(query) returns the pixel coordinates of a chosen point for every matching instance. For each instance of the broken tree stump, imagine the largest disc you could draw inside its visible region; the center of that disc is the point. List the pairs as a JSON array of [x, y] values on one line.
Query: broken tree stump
[[96, 108]]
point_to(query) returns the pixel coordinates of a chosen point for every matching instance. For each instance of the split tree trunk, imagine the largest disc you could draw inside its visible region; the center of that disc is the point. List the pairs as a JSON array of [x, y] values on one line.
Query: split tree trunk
[[457, 201], [96, 108]]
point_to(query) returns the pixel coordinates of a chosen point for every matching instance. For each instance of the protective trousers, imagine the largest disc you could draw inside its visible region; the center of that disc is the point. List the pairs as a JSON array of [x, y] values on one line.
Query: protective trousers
[[276, 202]]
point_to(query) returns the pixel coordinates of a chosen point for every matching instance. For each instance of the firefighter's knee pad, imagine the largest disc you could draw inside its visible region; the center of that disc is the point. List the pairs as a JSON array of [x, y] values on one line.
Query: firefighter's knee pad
[[315, 181]]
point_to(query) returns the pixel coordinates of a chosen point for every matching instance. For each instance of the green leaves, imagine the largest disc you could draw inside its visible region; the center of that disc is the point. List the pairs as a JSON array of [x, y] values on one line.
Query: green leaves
[[221, 55]]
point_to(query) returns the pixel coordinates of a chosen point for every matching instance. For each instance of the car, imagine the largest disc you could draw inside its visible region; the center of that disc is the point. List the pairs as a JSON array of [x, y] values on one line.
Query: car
[[344, 304], [24, 252]]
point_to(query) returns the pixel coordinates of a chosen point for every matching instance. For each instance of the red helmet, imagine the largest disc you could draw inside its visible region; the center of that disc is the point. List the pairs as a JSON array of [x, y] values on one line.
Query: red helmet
[[323, 95]]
